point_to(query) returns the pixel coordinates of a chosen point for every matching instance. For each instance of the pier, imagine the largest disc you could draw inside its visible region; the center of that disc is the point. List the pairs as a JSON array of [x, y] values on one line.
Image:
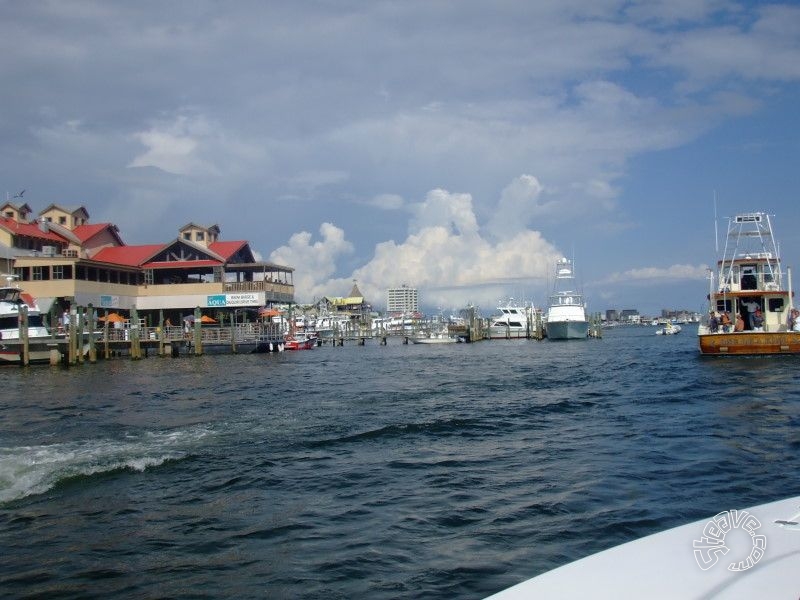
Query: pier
[[78, 343]]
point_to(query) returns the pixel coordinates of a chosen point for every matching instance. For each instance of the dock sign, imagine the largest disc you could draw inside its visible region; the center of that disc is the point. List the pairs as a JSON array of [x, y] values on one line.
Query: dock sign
[[218, 300], [225, 300]]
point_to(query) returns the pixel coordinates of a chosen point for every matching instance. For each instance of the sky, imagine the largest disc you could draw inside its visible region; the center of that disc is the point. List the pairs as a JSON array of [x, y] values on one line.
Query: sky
[[457, 147]]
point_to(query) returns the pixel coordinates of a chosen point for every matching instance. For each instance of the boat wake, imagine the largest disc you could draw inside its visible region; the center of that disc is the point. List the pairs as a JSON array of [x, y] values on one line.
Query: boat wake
[[30, 470]]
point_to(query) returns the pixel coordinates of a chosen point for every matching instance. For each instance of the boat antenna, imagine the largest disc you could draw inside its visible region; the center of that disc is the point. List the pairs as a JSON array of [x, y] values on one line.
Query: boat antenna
[[716, 236]]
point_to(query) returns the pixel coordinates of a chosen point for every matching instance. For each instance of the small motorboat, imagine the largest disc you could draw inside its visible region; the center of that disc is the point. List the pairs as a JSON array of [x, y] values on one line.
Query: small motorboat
[[668, 329], [300, 341]]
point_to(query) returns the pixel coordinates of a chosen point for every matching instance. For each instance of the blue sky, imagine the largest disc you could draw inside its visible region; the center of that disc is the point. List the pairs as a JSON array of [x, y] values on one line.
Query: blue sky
[[458, 147]]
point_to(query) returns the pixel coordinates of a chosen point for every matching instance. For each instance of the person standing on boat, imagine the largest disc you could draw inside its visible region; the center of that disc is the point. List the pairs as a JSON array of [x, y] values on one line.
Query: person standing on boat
[[739, 326], [751, 306], [726, 321], [758, 321], [794, 321], [713, 322]]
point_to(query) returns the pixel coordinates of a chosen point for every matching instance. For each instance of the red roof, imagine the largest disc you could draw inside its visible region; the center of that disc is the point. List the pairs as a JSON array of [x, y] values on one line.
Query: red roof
[[226, 249], [30, 230], [88, 231], [130, 256]]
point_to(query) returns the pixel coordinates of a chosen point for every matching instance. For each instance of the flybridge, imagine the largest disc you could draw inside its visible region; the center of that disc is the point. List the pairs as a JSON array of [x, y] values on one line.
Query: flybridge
[[749, 218]]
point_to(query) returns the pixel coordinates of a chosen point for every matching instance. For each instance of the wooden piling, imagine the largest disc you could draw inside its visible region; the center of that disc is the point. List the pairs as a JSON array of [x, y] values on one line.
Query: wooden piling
[[233, 332], [198, 338], [106, 345], [91, 316], [161, 333], [23, 335], [72, 337], [79, 327], [135, 335]]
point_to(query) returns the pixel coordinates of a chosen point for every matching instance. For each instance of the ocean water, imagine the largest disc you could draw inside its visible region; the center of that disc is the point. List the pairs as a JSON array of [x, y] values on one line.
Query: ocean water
[[398, 471]]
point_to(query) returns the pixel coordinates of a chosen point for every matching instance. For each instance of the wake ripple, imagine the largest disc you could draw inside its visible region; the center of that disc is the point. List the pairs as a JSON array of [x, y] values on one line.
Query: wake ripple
[[30, 470]]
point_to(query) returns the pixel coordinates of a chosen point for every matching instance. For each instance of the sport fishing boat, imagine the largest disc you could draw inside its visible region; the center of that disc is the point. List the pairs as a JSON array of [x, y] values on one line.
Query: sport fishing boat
[[566, 311], [12, 299], [512, 321], [749, 284]]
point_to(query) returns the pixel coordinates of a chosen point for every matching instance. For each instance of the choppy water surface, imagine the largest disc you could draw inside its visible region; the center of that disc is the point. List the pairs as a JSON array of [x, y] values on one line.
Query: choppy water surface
[[378, 471]]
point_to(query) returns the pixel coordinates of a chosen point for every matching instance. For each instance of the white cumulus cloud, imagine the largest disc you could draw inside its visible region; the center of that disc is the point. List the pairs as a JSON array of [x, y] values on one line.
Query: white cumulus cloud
[[444, 257]]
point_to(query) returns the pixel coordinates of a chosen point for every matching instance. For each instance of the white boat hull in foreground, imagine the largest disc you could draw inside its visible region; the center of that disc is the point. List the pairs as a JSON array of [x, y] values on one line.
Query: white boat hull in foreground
[[568, 330], [751, 553]]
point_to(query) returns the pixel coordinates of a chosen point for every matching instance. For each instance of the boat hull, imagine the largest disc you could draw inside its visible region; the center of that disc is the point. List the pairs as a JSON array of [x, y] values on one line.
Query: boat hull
[[442, 340], [750, 342], [300, 344], [688, 561], [507, 333], [568, 330], [12, 354]]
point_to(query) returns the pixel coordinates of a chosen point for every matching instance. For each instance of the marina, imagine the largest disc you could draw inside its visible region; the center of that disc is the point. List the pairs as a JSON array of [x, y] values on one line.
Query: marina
[[294, 474]]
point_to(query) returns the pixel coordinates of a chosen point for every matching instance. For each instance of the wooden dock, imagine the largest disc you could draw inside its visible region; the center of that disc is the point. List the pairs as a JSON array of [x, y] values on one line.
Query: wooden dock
[[79, 344]]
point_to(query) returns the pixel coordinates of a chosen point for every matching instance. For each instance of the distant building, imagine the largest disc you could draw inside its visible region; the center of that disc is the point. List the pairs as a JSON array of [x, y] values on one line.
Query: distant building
[[403, 299], [612, 315], [354, 305], [630, 315]]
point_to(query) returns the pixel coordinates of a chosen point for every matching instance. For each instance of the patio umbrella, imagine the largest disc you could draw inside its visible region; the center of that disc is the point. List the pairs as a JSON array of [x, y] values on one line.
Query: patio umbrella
[[268, 312], [112, 318], [207, 319]]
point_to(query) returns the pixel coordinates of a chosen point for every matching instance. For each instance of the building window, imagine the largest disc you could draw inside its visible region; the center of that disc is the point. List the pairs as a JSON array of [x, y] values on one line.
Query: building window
[[199, 236], [187, 236], [38, 273], [148, 277], [10, 214], [62, 220], [58, 271]]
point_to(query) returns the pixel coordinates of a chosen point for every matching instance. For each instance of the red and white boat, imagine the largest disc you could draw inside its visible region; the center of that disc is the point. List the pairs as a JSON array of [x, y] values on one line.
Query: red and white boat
[[299, 341]]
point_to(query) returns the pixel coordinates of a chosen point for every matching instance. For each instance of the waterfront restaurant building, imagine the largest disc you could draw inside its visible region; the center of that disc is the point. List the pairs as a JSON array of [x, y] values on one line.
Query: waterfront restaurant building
[[63, 260]]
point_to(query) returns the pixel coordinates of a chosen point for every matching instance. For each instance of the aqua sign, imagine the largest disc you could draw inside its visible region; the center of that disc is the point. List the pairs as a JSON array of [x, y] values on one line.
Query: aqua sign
[[218, 300]]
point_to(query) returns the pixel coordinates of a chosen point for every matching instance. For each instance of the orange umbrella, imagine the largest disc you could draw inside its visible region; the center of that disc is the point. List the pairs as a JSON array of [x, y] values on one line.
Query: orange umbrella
[[268, 312], [113, 318], [207, 319]]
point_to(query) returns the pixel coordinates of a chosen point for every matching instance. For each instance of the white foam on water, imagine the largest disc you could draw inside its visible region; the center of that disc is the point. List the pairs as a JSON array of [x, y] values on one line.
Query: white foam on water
[[28, 470]]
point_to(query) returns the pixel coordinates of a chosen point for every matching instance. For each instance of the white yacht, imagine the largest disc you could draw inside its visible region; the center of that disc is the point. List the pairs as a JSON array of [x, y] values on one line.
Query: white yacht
[[566, 312], [512, 321], [12, 299]]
